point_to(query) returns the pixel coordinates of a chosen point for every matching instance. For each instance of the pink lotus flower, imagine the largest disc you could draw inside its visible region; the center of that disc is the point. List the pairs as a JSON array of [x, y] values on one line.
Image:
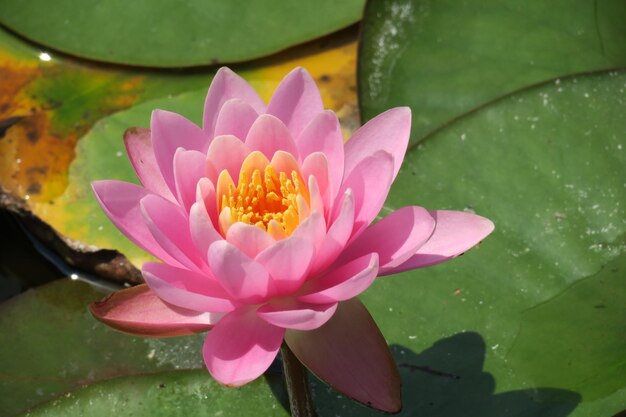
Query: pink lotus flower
[[262, 221]]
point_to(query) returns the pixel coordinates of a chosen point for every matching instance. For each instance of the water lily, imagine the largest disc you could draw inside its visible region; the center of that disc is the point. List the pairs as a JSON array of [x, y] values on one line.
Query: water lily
[[262, 222]]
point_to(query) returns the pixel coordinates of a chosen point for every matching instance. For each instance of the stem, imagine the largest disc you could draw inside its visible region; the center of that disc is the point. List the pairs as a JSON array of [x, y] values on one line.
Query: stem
[[297, 383]]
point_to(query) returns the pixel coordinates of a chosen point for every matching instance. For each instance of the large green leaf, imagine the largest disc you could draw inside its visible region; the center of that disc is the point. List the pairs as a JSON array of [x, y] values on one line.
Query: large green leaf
[[51, 344], [444, 58], [594, 364], [182, 393], [49, 101], [101, 155], [175, 33], [546, 289], [463, 388]]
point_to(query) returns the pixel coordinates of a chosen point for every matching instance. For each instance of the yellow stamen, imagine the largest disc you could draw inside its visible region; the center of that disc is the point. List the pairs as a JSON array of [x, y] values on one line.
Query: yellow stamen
[[274, 201]]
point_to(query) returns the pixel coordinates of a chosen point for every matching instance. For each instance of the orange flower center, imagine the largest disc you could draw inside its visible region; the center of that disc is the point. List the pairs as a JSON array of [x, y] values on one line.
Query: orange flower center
[[274, 200]]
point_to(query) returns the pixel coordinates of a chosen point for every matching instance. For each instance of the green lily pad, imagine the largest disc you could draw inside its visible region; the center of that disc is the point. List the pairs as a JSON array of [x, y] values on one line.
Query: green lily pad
[[101, 155], [48, 101], [445, 58], [426, 391], [600, 298], [176, 34], [545, 290], [52, 344], [182, 393], [61, 362]]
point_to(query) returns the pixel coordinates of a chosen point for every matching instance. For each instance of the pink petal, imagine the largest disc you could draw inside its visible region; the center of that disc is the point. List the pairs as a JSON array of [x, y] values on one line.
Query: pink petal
[[269, 135], [313, 229], [316, 165], [338, 234], [235, 118], [275, 230], [351, 355], [370, 181], [389, 132], [211, 172], [291, 314], [243, 278], [296, 101], [254, 160], [189, 167], [171, 131], [206, 194], [120, 202], [343, 283], [227, 153], [170, 227], [139, 148], [248, 238], [227, 85], [201, 228], [225, 220], [241, 347], [287, 262], [317, 203], [455, 232], [324, 135], [285, 162], [187, 289], [138, 311], [395, 238]]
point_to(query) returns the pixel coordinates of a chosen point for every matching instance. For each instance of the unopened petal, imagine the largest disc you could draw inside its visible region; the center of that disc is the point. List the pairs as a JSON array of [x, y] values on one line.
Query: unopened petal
[[138, 311]]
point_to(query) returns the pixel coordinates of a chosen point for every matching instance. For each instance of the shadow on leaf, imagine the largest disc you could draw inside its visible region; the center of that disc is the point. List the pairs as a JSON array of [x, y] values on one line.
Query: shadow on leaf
[[448, 380]]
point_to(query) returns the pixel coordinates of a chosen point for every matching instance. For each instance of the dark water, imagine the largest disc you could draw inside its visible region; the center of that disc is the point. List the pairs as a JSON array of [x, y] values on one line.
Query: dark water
[[22, 266]]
